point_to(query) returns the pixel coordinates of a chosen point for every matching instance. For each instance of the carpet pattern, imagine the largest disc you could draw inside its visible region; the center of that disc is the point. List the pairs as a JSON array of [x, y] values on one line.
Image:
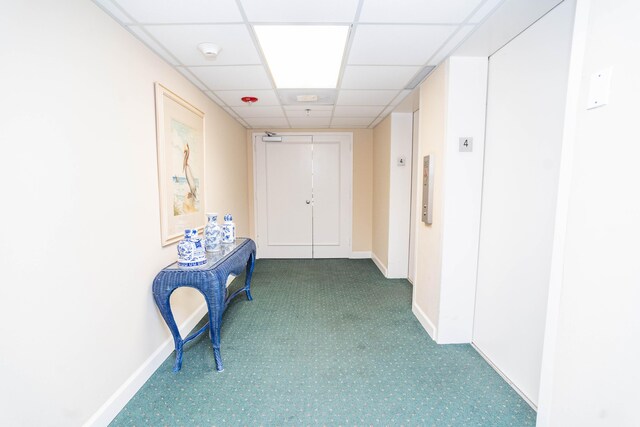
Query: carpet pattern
[[326, 342]]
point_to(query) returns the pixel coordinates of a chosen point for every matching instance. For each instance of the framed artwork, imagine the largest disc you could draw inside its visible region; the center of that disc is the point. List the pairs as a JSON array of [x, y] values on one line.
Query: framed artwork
[[180, 143]]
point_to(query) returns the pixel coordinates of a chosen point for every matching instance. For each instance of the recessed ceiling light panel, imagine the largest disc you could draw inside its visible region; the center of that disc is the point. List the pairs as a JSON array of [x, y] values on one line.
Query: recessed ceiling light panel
[[303, 56]]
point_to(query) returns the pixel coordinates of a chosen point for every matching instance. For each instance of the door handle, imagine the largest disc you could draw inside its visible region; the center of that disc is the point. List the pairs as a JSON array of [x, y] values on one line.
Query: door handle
[[307, 201]]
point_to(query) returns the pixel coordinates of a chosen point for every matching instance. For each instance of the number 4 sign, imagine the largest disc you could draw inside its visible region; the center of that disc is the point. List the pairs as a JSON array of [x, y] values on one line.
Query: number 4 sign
[[466, 144]]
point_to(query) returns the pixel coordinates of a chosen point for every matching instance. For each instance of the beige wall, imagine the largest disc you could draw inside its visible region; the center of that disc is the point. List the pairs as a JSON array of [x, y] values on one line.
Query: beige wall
[[429, 237], [362, 189], [381, 186], [80, 239], [227, 187], [362, 185]]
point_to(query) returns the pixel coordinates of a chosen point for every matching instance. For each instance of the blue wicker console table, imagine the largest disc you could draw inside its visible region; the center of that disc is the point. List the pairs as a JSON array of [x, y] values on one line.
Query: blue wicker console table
[[210, 279]]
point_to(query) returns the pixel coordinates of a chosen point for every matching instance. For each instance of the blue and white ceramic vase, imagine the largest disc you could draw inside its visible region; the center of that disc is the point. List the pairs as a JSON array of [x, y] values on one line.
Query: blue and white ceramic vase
[[191, 250], [228, 230], [200, 249], [212, 233]]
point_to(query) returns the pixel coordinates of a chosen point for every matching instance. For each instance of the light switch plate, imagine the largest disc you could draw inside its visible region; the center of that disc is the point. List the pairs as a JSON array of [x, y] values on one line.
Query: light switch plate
[[466, 144], [599, 88]]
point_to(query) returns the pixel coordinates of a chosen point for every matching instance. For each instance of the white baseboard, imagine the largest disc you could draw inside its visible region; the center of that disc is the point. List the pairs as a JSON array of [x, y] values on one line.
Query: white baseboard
[[424, 320], [360, 255], [396, 272], [112, 407], [379, 264], [504, 377]]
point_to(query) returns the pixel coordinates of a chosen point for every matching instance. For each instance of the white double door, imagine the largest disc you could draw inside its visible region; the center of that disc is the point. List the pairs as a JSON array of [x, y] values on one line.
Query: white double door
[[303, 187]]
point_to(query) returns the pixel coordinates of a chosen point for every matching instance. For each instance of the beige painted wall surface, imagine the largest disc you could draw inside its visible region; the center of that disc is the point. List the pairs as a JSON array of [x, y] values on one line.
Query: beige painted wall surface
[[227, 186], [595, 374], [80, 224], [381, 188], [362, 185], [429, 237], [362, 189]]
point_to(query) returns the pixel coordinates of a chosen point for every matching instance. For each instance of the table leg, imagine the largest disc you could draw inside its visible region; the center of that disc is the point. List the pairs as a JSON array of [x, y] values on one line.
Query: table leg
[[251, 262], [178, 363], [162, 301], [216, 308]]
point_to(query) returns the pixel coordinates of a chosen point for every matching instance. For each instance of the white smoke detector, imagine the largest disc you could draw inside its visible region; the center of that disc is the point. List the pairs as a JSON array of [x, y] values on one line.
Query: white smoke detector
[[209, 50]]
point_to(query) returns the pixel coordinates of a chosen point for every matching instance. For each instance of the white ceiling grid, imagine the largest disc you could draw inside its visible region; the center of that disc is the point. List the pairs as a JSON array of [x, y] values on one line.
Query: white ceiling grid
[[391, 44]]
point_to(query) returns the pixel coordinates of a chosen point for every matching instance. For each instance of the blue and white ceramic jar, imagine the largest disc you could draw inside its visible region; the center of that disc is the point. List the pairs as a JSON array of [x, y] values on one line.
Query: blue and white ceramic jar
[[212, 233], [228, 230], [200, 249], [191, 250]]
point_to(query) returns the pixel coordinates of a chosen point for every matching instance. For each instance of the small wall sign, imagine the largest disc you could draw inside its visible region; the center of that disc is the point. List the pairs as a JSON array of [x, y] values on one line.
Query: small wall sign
[[466, 144]]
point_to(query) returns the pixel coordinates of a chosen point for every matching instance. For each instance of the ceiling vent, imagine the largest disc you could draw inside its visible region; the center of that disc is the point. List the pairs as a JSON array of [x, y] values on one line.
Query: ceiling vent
[[302, 97], [307, 98]]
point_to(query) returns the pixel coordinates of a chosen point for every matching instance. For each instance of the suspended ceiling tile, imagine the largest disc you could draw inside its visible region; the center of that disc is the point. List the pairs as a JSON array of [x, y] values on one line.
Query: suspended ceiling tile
[[114, 10], [351, 121], [240, 77], [182, 40], [377, 77], [285, 11], [361, 111], [449, 47], [310, 122], [233, 97], [192, 78], [313, 113], [397, 44], [267, 122], [487, 8], [179, 12], [365, 97], [417, 11], [255, 111], [154, 45]]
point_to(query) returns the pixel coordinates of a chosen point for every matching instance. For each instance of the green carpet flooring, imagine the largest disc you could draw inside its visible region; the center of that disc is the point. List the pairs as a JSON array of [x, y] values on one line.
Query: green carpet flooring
[[326, 342]]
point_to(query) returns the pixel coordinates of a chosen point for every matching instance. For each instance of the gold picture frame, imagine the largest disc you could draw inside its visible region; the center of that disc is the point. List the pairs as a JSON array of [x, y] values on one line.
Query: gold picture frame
[[180, 145]]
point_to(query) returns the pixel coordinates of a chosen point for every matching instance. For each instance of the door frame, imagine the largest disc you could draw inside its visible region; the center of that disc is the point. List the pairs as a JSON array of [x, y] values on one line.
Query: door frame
[[349, 179]]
